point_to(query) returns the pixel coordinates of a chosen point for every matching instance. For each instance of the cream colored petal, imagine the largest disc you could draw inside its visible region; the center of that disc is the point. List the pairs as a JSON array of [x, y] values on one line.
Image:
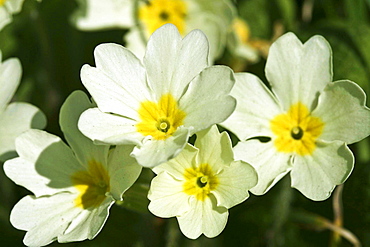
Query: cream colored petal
[[316, 175], [298, 72], [155, 152], [234, 183], [177, 166], [166, 196], [172, 62], [10, 76], [342, 109], [214, 148], [45, 161], [17, 118], [104, 128], [207, 101], [204, 217], [270, 165], [255, 108], [44, 218]]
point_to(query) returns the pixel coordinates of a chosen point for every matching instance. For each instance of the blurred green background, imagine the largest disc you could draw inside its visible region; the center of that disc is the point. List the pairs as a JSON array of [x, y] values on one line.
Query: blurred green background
[[52, 52]]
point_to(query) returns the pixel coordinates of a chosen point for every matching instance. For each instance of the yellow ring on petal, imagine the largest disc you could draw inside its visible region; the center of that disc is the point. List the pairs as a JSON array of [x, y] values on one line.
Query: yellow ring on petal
[[200, 181], [160, 120], [92, 184], [296, 131]]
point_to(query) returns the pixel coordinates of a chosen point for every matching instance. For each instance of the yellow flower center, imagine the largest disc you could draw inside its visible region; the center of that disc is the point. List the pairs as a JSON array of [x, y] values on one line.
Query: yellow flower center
[[160, 120], [92, 184], [155, 13], [296, 131], [241, 30], [199, 181], [2, 2]]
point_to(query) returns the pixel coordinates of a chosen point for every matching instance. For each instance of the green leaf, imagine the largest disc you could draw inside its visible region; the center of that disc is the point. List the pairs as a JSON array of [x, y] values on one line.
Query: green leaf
[[356, 10], [256, 13]]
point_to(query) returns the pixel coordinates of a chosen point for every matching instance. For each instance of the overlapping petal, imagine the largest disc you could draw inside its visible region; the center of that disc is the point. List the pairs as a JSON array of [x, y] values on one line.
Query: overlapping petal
[[316, 175], [176, 167], [207, 94], [167, 196], [17, 118], [298, 72], [122, 172], [270, 165], [239, 177], [255, 108], [214, 148], [43, 217], [155, 152], [83, 147], [214, 30], [342, 108], [91, 220], [108, 128], [46, 163]]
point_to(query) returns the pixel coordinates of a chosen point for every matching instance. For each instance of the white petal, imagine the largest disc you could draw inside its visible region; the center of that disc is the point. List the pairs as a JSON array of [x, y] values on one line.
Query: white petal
[[106, 14], [166, 196], [123, 170], [316, 175], [44, 218], [17, 118], [5, 17], [203, 217], [135, 42], [14, 6], [342, 109], [87, 224], [177, 166], [155, 152], [255, 107], [45, 161], [171, 62], [214, 148], [298, 72], [270, 165], [234, 183], [108, 128], [207, 100], [10, 76], [110, 95], [84, 149]]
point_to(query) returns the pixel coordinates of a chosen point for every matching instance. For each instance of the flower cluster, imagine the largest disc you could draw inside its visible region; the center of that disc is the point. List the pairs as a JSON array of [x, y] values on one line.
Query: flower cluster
[[145, 108]]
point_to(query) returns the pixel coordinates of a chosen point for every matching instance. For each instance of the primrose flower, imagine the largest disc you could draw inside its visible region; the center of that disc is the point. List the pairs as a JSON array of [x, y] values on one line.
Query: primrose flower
[[16, 117], [158, 105], [201, 184], [308, 120], [97, 14], [7, 9], [212, 17], [74, 187]]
